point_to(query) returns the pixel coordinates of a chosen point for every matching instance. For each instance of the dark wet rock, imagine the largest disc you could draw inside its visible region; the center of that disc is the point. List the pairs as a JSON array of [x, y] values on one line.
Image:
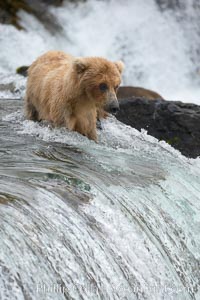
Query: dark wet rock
[[177, 5], [39, 8], [133, 91], [175, 122], [23, 70], [8, 87], [9, 12], [169, 4]]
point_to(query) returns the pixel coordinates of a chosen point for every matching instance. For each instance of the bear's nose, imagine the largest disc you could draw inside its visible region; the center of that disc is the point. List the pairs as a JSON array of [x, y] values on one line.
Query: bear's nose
[[114, 109]]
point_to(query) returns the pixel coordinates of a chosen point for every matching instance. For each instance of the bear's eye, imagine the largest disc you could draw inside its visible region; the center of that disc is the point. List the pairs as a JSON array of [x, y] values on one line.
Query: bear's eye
[[103, 87]]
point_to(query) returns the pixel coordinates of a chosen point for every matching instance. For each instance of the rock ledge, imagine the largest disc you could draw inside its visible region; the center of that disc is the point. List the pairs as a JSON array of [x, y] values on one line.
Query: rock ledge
[[175, 122]]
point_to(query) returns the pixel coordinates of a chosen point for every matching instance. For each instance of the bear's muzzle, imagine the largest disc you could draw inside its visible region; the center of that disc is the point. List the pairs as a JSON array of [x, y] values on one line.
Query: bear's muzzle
[[112, 105]]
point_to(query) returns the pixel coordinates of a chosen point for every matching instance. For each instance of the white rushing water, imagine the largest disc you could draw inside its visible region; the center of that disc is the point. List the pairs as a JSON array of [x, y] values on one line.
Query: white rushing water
[[115, 220], [160, 48], [79, 220]]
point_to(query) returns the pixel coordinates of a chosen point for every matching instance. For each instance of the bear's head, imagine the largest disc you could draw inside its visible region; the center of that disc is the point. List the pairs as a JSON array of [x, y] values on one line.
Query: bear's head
[[99, 79]]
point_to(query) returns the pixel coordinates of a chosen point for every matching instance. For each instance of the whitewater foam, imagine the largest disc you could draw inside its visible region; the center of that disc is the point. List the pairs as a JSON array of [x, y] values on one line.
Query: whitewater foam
[[112, 220], [159, 48], [115, 135]]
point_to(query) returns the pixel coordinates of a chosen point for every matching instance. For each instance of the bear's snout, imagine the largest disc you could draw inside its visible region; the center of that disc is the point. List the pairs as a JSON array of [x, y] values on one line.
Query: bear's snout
[[114, 109], [113, 106]]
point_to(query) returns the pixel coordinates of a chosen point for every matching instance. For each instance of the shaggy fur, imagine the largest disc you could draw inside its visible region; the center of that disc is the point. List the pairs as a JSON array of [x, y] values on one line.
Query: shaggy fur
[[66, 90]]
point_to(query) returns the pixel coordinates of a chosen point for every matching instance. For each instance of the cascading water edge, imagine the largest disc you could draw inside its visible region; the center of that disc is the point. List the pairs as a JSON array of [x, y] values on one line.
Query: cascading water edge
[[114, 220], [80, 220]]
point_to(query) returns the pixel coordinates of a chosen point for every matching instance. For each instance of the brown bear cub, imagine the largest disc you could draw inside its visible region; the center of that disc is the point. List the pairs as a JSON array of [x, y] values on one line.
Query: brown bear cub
[[70, 91]]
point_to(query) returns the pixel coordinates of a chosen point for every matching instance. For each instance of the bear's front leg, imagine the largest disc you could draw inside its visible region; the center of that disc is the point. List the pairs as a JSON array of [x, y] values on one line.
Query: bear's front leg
[[92, 135], [91, 126], [86, 127]]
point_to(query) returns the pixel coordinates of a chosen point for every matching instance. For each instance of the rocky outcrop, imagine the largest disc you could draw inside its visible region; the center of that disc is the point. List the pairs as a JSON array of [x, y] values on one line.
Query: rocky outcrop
[[39, 8], [23, 70], [7, 87], [9, 12], [175, 122], [133, 91], [169, 4]]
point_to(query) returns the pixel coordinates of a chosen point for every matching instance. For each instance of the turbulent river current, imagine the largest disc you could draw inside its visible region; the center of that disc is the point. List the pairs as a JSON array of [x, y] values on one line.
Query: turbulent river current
[[78, 220], [115, 220]]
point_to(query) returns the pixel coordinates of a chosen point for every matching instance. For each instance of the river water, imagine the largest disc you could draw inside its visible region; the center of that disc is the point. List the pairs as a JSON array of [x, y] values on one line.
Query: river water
[[79, 220], [115, 220]]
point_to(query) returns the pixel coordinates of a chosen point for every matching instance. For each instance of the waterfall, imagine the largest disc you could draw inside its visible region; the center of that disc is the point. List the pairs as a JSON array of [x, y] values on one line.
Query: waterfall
[[158, 42], [114, 220]]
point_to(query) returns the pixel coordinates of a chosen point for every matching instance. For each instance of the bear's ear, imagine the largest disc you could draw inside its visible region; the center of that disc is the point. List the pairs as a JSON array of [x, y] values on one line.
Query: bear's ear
[[80, 65], [120, 65]]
